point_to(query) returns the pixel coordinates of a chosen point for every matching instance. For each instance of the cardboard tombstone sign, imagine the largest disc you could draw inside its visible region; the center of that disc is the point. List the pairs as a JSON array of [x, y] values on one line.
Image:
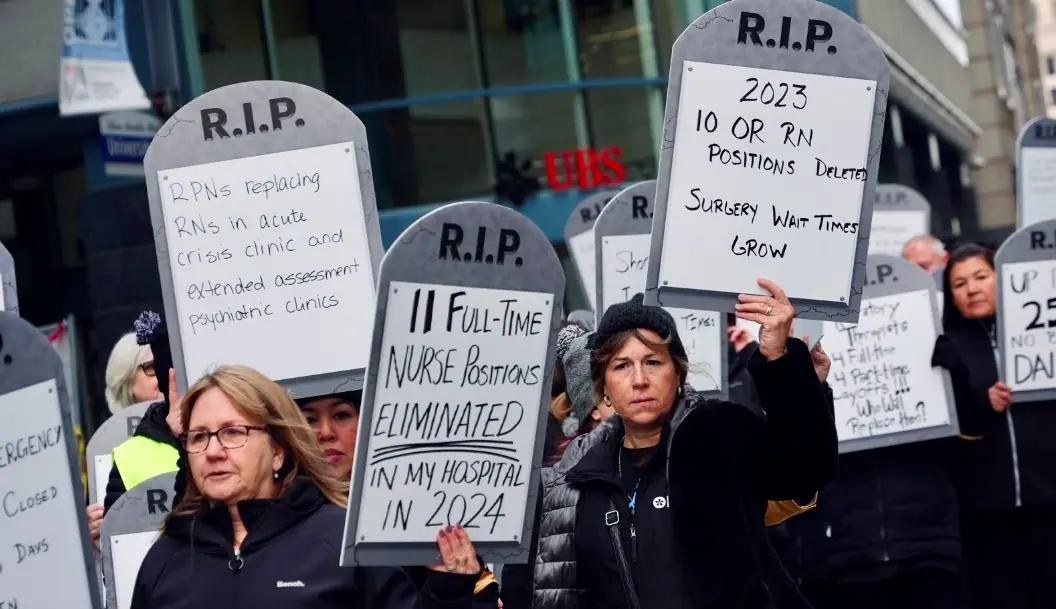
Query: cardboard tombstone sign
[[621, 233], [266, 229], [43, 528], [885, 388], [579, 237], [455, 405], [1036, 172], [1026, 311], [130, 528], [113, 432], [8, 287], [899, 214], [775, 113]]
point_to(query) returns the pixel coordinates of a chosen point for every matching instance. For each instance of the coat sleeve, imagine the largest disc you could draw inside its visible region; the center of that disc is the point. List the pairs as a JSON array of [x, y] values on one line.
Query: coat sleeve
[[448, 591], [799, 451], [115, 487], [974, 414]]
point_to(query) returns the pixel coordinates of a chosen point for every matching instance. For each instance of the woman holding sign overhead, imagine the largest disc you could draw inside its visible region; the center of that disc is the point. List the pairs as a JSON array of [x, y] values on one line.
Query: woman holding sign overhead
[[1007, 461], [260, 522], [664, 504]]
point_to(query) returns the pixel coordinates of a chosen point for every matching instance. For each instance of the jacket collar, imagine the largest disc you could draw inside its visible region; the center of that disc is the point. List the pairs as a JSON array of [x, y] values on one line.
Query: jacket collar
[[263, 519], [605, 441]]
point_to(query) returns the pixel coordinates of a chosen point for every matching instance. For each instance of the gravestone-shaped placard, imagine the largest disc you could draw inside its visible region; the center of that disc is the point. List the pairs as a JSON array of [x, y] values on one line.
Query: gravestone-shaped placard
[[885, 388], [1026, 310], [8, 287], [113, 432], [899, 214], [621, 259], [775, 113], [43, 529], [579, 237], [130, 528], [454, 410], [267, 235], [1036, 172]]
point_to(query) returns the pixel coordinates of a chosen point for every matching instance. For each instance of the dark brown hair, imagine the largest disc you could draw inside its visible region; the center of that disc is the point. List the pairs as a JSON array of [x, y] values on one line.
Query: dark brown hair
[[600, 356]]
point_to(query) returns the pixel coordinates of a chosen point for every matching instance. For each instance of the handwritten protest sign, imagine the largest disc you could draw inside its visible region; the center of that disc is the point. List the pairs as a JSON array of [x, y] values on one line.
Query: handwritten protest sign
[[469, 303], [622, 229], [775, 113], [8, 287], [579, 237], [130, 528], [885, 388], [899, 214], [1036, 172], [1026, 267], [267, 234], [43, 531], [110, 434]]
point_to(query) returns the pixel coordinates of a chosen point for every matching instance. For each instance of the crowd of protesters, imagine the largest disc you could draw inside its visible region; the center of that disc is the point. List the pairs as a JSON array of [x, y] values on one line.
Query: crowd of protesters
[[652, 495]]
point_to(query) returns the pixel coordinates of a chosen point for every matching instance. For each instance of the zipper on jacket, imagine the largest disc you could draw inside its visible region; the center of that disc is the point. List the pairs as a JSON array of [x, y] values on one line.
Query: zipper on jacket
[[236, 563], [1015, 457], [634, 543], [1017, 489]]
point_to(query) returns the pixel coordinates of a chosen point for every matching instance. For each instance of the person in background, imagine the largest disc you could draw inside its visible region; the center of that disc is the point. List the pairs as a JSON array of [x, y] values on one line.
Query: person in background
[[130, 374], [663, 505], [131, 378], [1006, 459], [334, 419], [927, 252], [262, 515]]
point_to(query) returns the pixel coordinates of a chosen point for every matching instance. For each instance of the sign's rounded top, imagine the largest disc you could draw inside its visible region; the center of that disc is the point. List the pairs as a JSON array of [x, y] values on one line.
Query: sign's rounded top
[[115, 429], [795, 35], [886, 275], [482, 244], [1039, 131], [26, 357], [249, 116], [630, 211], [1034, 242], [586, 212], [898, 196]]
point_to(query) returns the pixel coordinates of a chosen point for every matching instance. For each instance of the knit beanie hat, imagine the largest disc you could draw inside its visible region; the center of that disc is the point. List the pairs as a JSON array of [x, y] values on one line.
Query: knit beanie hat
[[150, 330], [565, 337], [578, 384], [634, 314]]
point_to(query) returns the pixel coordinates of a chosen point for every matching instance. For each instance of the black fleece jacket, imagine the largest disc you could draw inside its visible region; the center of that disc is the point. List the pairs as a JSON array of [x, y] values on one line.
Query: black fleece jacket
[[289, 559], [723, 462]]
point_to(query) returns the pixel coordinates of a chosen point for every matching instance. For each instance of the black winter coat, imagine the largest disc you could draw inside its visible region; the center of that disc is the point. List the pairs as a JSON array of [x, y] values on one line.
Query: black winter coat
[[889, 510], [723, 462], [1012, 459], [289, 559]]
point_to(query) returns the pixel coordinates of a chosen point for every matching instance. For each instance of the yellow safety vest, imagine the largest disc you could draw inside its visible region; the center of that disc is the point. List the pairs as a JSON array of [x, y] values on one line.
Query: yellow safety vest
[[140, 458]]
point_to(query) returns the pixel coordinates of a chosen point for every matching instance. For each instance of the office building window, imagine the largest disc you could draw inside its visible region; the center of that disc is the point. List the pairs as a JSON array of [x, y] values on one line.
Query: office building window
[[1050, 64]]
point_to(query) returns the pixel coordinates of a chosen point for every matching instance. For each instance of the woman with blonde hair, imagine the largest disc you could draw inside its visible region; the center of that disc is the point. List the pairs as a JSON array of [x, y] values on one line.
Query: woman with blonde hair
[[261, 518], [130, 374]]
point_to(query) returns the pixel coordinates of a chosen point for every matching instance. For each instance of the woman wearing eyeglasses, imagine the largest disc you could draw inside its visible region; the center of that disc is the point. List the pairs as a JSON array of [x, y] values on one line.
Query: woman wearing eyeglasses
[[262, 515]]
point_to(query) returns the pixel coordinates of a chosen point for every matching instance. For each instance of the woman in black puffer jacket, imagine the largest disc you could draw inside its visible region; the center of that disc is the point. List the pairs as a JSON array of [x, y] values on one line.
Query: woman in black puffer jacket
[[1006, 470]]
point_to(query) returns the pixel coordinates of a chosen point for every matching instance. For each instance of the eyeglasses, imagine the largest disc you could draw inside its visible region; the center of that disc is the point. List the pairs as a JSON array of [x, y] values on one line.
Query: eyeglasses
[[234, 436], [148, 368]]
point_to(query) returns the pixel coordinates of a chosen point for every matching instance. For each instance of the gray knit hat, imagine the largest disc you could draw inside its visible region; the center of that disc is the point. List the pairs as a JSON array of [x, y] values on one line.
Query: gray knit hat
[[578, 384], [565, 337]]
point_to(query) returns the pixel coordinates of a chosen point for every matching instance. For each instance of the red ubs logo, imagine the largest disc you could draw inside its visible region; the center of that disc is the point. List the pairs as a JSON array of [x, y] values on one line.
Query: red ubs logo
[[584, 167]]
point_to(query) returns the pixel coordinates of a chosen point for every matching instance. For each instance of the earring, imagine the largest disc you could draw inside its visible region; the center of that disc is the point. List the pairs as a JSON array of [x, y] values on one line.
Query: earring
[[607, 400], [275, 474]]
